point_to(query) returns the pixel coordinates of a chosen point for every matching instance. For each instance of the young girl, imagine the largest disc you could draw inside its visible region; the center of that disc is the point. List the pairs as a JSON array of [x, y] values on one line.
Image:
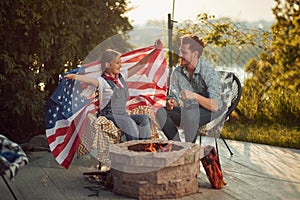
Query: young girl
[[113, 93]]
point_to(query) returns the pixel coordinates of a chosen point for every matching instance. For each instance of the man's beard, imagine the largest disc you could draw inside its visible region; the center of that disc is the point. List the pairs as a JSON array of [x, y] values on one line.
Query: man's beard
[[183, 62]]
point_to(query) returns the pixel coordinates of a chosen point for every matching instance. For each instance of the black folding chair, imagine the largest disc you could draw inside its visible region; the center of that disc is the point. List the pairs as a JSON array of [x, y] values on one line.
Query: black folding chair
[[231, 91]]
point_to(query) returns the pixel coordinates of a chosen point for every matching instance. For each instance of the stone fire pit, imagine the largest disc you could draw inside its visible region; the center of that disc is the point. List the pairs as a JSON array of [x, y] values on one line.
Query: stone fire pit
[[146, 175]]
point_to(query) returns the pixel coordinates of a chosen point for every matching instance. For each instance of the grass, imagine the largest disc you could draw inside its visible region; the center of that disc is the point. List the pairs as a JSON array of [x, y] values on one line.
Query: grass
[[263, 133]]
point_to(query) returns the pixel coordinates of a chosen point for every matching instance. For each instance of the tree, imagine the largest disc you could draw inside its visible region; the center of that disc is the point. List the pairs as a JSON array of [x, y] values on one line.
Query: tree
[[272, 93], [41, 39], [227, 43]]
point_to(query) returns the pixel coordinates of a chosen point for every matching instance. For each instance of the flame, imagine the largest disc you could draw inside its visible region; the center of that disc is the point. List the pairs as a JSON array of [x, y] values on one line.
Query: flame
[[168, 147], [154, 147], [151, 148]]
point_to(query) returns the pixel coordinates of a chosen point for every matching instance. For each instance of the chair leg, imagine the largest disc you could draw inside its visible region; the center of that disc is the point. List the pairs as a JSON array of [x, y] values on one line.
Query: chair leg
[[200, 139], [217, 145], [226, 145], [11, 191], [217, 149]]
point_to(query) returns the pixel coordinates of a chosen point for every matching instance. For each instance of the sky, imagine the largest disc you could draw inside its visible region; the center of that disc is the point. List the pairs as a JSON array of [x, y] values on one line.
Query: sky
[[242, 10]]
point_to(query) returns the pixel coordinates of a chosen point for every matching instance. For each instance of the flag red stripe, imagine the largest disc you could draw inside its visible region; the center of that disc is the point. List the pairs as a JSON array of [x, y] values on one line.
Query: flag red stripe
[[137, 51], [58, 132], [135, 59], [76, 143], [91, 64], [63, 130], [161, 70], [69, 132], [143, 85], [66, 163]]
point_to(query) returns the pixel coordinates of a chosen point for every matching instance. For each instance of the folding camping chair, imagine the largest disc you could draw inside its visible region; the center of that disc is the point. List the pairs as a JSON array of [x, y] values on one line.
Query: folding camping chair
[[231, 94], [12, 159]]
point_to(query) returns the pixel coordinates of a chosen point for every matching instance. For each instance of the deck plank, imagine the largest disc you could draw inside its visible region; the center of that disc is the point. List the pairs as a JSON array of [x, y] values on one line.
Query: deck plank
[[254, 172]]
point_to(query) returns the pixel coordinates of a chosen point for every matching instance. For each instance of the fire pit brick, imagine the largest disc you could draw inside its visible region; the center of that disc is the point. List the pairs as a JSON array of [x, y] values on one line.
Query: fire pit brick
[[161, 175]]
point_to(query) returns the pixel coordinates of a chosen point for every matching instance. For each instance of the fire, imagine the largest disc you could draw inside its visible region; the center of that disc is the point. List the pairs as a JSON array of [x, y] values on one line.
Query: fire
[[151, 147], [155, 147]]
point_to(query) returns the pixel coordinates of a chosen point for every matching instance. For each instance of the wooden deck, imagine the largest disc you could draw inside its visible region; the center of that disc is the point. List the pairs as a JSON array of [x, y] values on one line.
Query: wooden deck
[[254, 172]]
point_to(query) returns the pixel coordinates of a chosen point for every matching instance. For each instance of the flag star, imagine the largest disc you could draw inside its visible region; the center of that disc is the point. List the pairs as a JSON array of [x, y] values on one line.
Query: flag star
[[76, 98], [50, 121], [69, 109], [49, 111], [54, 115], [76, 105], [59, 97]]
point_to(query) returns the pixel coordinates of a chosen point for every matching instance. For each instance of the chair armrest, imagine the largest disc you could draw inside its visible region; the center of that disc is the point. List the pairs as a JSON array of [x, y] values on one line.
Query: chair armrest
[[98, 134]]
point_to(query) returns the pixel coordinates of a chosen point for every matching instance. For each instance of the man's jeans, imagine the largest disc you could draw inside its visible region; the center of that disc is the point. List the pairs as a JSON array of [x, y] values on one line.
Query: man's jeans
[[189, 119]]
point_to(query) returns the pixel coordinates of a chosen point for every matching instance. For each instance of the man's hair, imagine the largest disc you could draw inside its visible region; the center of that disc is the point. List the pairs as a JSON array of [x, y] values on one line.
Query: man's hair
[[108, 56], [196, 43]]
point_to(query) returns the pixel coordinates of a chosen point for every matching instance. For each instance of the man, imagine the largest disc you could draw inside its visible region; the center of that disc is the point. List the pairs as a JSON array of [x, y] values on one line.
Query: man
[[198, 86]]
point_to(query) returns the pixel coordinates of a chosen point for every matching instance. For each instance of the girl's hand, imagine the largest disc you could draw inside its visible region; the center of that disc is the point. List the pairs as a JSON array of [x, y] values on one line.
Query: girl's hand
[[70, 76], [85, 79], [158, 44]]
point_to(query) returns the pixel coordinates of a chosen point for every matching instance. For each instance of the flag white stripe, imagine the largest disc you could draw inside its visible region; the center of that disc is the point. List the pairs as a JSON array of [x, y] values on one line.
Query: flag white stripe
[[93, 68], [58, 140], [62, 123], [137, 92], [58, 125], [130, 56], [162, 81], [64, 153], [157, 63]]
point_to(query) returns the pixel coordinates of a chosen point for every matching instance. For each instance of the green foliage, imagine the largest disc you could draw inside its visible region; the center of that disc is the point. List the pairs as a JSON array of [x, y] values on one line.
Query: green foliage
[[227, 43], [286, 135], [272, 92], [41, 39]]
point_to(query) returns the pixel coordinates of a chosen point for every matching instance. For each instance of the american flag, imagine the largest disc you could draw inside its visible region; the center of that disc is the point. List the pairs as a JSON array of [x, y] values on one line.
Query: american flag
[[67, 109]]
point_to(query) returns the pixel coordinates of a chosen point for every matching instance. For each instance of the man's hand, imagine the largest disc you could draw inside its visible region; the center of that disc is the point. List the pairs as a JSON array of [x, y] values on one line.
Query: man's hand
[[171, 103], [186, 94]]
